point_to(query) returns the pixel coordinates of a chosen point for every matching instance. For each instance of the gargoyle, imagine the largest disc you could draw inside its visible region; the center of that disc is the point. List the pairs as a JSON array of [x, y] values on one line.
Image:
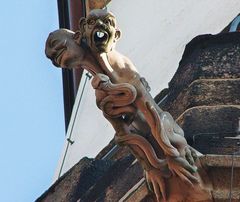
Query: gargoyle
[[92, 48], [100, 33]]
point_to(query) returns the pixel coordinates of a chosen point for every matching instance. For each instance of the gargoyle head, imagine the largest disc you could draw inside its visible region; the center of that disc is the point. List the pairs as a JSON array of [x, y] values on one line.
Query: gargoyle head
[[62, 49], [99, 30]]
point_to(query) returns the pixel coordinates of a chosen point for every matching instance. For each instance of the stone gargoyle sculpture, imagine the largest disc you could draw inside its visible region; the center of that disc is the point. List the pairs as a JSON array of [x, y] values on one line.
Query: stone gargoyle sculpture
[[124, 98]]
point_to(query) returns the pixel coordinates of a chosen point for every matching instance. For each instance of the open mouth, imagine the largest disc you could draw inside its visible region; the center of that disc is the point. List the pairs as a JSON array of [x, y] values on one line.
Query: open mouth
[[100, 37], [59, 55]]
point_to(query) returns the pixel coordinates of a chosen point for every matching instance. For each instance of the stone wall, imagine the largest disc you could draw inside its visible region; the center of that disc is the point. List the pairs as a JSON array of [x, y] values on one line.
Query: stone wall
[[204, 94]]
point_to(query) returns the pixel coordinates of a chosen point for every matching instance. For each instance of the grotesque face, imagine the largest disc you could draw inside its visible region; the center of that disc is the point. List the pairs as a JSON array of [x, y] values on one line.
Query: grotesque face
[[62, 49], [99, 30]]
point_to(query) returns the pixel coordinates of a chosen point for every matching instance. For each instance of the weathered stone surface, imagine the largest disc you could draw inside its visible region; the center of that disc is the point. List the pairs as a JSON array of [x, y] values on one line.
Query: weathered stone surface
[[205, 92], [224, 196], [222, 120], [139, 192], [213, 144], [215, 172], [219, 170], [207, 57], [76, 181], [123, 175]]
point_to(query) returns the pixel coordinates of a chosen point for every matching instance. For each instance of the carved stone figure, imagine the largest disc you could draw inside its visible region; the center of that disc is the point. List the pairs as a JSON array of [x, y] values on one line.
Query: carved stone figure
[[123, 97], [64, 52]]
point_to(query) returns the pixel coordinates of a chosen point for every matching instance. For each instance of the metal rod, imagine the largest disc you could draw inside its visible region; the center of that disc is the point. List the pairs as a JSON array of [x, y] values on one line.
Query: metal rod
[[75, 115], [231, 182]]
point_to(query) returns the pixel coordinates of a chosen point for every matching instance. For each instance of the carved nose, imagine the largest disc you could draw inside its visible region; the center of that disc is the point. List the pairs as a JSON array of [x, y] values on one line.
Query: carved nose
[[99, 22]]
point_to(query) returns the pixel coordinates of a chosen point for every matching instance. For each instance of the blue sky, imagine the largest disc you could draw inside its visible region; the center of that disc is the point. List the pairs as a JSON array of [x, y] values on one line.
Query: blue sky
[[31, 104]]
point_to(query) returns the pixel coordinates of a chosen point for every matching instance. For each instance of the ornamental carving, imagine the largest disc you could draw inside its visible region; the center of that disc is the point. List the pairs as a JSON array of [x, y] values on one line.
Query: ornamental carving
[[124, 98]]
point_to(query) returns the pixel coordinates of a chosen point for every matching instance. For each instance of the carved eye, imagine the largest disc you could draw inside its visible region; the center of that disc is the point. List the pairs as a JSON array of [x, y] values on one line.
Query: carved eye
[[108, 21], [53, 43], [91, 21]]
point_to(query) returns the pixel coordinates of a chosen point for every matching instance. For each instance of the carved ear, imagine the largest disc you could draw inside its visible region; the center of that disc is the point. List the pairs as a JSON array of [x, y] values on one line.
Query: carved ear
[[77, 37], [118, 34], [82, 24]]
